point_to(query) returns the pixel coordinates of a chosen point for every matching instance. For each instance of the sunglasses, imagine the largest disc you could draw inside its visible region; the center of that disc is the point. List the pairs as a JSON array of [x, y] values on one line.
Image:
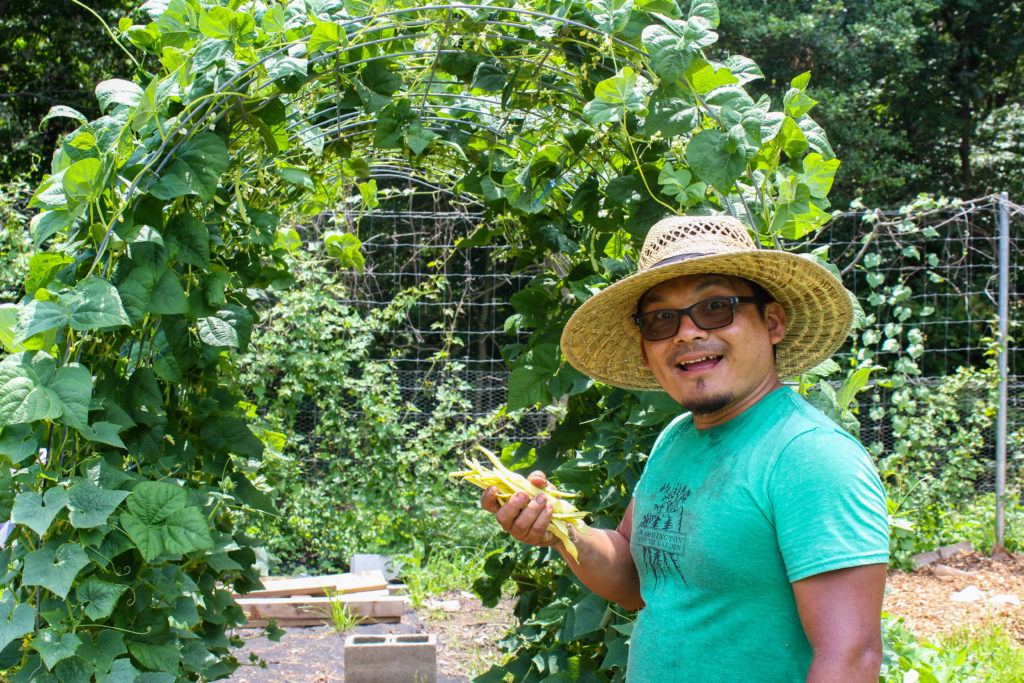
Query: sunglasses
[[710, 314]]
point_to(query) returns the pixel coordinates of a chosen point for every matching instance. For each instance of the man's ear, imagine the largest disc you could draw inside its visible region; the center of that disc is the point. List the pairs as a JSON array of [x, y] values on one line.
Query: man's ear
[[775, 318]]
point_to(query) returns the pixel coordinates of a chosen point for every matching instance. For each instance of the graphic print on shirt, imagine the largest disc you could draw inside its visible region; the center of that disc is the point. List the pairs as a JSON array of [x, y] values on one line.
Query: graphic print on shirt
[[661, 534]]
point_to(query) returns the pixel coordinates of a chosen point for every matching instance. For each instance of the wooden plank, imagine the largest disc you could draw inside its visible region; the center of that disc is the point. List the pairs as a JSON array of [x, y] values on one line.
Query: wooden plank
[[309, 607], [925, 559], [320, 585], [320, 621]]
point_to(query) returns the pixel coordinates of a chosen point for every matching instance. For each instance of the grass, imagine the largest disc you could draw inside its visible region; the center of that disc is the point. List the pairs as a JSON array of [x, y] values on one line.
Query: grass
[[341, 619], [998, 655], [441, 572]]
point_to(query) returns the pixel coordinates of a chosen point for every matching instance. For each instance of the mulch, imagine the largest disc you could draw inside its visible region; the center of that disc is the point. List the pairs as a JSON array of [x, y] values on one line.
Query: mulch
[[923, 597]]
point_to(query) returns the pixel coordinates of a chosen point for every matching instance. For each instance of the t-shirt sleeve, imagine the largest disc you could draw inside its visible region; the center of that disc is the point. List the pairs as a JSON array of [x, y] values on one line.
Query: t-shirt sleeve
[[829, 505]]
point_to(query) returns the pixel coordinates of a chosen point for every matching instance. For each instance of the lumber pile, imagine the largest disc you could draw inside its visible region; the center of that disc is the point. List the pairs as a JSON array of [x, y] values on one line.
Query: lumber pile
[[307, 601]]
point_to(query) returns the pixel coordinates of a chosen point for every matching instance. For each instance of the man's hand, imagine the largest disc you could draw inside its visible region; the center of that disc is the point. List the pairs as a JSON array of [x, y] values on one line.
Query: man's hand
[[527, 520]]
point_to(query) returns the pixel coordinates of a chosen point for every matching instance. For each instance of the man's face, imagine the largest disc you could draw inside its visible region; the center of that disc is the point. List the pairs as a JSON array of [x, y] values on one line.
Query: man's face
[[715, 374]]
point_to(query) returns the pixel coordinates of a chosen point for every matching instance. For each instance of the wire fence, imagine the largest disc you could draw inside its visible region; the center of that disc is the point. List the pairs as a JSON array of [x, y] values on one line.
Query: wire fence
[[928, 284]]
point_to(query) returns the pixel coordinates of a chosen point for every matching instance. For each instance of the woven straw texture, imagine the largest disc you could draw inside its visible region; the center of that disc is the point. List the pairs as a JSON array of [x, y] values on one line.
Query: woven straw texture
[[601, 341]]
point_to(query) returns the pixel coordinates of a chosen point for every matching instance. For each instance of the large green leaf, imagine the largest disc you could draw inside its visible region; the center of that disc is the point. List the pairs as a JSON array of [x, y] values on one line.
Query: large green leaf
[[624, 92], [195, 168], [83, 182], [37, 317], [18, 442], [670, 57], [188, 240], [612, 16], [54, 568], [149, 290], [16, 619], [38, 511], [24, 396], [73, 384], [94, 304], [98, 597], [55, 646], [118, 91], [713, 156], [158, 522], [91, 505]]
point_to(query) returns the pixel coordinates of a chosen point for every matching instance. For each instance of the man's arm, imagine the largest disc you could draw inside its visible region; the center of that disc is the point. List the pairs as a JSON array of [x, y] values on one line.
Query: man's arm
[[605, 562], [841, 614]]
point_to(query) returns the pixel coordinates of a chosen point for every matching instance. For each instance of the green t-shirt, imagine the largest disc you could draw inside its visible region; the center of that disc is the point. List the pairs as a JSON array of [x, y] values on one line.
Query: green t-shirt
[[724, 519]]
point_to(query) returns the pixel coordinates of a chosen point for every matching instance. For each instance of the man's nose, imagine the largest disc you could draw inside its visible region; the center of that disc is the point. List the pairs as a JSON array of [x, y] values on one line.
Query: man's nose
[[688, 330]]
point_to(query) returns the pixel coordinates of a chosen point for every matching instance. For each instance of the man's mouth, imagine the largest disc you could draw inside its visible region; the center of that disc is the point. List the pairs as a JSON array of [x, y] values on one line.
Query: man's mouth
[[699, 364]]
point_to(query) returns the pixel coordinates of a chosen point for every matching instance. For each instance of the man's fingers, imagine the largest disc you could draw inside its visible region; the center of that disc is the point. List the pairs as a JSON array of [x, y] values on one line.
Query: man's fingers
[[489, 500], [538, 479]]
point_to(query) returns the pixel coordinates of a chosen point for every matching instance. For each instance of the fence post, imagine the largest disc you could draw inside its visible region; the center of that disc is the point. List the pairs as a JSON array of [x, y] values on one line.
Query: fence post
[[1004, 312]]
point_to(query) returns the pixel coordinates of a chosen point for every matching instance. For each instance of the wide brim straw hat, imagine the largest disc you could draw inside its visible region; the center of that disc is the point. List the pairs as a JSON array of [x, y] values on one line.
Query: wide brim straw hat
[[602, 341]]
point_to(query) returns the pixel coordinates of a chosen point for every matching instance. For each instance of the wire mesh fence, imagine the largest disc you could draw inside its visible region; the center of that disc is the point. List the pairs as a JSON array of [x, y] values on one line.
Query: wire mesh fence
[[928, 285]]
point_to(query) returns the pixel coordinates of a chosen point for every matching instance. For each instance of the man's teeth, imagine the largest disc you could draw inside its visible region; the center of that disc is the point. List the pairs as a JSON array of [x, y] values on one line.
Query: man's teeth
[[698, 360]]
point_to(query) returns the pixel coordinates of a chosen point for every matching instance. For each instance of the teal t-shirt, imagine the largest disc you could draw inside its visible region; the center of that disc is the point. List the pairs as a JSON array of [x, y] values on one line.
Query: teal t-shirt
[[724, 519]]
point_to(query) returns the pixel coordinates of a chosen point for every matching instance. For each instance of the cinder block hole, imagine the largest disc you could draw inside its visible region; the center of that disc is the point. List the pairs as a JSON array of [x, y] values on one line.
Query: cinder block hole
[[412, 639], [369, 640]]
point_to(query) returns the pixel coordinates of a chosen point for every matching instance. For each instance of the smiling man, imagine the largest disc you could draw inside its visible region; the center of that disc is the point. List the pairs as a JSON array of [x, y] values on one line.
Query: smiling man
[[756, 542]]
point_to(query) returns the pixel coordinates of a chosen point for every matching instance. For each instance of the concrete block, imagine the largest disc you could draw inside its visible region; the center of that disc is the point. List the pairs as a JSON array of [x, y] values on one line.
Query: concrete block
[[391, 658]]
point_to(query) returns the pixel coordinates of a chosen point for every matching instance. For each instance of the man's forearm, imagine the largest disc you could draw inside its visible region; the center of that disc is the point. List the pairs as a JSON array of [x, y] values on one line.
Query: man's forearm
[[851, 667], [606, 566]]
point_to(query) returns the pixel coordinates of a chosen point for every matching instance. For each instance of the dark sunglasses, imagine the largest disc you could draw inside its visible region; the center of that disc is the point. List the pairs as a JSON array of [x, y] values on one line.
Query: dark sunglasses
[[709, 314]]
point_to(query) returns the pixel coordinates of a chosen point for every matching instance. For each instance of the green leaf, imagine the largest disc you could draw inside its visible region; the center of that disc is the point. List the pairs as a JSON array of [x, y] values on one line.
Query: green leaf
[[158, 522], [345, 247], [16, 619], [216, 331], [103, 432], [91, 505], [296, 176], [164, 658], [418, 137], [148, 290], [47, 223], [37, 512], [705, 76], [83, 182], [54, 570], [102, 650], [706, 10], [60, 110], [709, 156], [624, 92], [18, 442], [669, 55], [188, 240], [326, 37], [117, 91], [588, 614], [94, 304], [37, 317], [73, 384], [55, 646], [490, 77], [612, 16], [223, 23], [818, 174], [23, 394], [195, 168], [122, 671], [42, 267], [376, 76], [98, 597]]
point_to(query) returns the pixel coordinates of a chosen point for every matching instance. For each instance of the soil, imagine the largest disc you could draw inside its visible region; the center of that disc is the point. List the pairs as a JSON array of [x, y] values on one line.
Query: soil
[[923, 597], [467, 643], [468, 633]]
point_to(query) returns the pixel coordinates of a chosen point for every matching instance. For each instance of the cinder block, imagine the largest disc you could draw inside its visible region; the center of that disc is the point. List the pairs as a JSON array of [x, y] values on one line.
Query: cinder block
[[391, 658]]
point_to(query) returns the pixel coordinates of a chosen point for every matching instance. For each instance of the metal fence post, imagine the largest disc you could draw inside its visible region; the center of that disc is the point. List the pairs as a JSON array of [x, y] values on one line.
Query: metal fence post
[[1004, 312]]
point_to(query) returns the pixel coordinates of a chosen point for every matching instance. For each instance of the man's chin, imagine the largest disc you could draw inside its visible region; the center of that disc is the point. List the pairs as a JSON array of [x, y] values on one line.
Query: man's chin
[[707, 405]]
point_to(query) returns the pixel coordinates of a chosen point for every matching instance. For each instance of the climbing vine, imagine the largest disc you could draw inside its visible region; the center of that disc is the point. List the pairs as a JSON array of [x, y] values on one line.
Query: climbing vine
[[123, 434]]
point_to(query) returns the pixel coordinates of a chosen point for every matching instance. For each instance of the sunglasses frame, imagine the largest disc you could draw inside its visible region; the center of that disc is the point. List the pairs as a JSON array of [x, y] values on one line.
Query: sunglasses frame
[[680, 312]]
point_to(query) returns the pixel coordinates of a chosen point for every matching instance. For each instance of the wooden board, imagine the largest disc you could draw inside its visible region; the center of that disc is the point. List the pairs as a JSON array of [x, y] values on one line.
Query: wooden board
[[311, 607], [261, 623], [320, 585]]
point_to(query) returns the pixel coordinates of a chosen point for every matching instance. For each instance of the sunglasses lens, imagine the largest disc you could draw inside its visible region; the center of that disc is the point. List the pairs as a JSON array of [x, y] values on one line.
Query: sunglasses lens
[[660, 324], [712, 313]]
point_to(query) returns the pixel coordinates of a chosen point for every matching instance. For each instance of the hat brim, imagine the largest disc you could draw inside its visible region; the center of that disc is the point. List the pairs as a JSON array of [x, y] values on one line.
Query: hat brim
[[602, 341]]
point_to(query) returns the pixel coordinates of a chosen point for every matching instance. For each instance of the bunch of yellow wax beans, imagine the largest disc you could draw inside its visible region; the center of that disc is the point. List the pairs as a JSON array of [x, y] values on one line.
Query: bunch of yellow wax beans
[[508, 482]]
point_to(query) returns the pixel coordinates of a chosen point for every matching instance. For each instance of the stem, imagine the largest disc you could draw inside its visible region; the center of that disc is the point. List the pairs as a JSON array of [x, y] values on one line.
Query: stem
[[110, 33]]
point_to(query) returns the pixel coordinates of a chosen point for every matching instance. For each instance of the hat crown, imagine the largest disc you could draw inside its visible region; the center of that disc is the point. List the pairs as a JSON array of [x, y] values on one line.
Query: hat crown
[[680, 237]]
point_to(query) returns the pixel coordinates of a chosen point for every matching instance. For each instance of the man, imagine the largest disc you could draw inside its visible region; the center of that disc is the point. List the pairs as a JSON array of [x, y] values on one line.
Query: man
[[756, 542]]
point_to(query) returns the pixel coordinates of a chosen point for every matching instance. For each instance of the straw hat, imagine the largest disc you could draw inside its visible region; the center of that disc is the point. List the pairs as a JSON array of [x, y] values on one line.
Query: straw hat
[[602, 341]]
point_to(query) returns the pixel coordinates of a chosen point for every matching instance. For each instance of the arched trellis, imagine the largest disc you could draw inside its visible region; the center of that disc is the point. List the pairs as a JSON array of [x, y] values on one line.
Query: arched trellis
[[573, 125]]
